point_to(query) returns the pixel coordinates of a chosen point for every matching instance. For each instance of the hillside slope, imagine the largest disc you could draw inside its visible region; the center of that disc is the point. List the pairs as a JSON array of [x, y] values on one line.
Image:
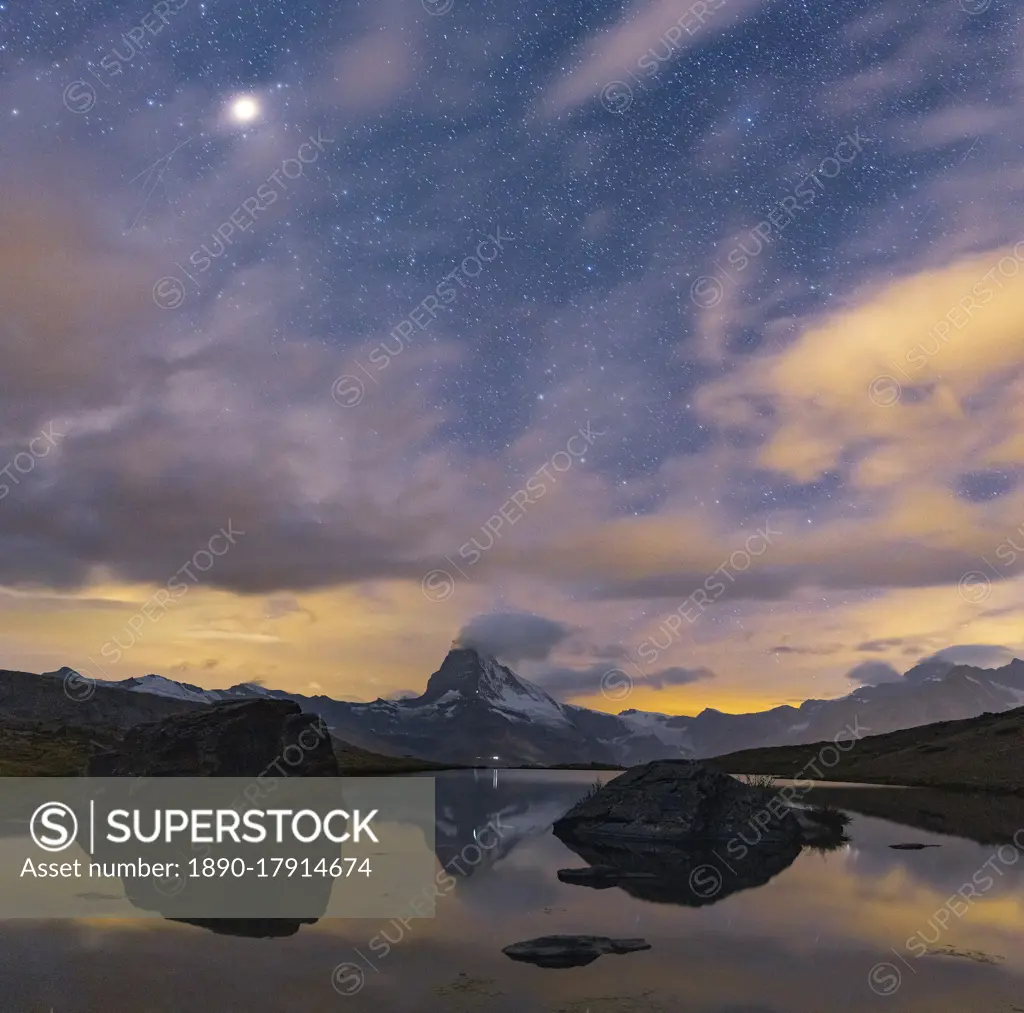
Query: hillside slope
[[974, 754]]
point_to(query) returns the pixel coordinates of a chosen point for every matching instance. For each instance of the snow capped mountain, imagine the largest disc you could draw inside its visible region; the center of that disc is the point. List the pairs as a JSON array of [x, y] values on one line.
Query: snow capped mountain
[[466, 675], [932, 691], [161, 686], [168, 687], [476, 710], [473, 710], [669, 729]]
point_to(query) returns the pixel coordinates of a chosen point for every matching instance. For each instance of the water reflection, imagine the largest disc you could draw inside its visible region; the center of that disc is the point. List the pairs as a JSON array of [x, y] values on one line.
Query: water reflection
[[519, 804], [806, 940], [693, 877]]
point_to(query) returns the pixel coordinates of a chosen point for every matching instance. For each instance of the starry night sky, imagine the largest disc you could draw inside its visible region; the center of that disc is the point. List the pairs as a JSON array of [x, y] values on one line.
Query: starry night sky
[[361, 278]]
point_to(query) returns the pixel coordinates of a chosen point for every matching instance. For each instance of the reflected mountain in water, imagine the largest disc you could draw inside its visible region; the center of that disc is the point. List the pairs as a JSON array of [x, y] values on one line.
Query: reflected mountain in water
[[483, 815], [480, 818]]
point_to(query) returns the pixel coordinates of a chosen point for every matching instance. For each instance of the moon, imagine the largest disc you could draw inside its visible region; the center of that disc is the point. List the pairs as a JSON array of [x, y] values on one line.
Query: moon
[[245, 109]]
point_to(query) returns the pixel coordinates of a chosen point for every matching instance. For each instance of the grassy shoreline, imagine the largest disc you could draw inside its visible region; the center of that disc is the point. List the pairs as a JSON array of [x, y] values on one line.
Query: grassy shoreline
[[46, 749]]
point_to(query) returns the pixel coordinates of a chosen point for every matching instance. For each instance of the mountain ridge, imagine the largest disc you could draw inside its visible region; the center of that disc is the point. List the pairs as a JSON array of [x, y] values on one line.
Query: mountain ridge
[[476, 710]]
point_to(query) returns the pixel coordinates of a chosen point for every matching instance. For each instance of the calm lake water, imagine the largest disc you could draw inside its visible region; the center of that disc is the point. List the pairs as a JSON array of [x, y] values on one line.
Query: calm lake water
[[839, 931]]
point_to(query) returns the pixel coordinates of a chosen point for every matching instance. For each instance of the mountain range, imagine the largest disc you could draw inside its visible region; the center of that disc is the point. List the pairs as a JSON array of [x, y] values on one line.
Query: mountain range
[[475, 710]]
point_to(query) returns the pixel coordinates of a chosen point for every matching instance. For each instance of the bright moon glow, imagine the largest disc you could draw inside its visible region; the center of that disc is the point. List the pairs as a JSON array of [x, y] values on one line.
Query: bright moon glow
[[244, 110]]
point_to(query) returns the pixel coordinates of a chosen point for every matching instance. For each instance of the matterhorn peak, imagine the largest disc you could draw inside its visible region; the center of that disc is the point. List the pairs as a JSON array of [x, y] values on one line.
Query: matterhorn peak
[[470, 675]]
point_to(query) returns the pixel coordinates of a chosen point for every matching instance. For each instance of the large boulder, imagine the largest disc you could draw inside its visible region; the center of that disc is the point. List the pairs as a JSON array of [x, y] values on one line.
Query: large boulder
[[683, 802], [237, 739]]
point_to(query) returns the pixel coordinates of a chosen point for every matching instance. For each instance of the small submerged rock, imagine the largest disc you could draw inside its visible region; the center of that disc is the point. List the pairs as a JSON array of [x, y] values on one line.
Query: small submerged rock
[[570, 951], [978, 956], [599, 877]]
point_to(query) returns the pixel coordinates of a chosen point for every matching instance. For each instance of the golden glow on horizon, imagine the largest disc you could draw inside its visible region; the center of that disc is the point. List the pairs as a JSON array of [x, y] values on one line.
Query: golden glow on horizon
[[391, 638]]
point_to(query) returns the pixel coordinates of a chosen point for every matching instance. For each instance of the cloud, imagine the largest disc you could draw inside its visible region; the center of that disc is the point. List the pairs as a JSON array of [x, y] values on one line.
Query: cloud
[[872, 673], [978, 655], [211, 418], [178, 423], [822, 650], [169, 427], [881, 390], [882, 644], [661, 30], [255, 638], [514, 636], [284, 605], [370, 72], [568, 683], [71, 309], [676, 676], [403, 694]]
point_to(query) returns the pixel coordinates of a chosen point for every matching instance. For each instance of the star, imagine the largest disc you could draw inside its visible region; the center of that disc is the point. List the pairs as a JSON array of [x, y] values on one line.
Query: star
[[244, 109]]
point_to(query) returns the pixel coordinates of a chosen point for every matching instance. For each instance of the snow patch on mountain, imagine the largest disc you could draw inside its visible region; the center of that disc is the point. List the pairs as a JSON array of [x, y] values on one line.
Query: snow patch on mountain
[[161, 686], [527, 702], [653, 723], [513, 695], [251, 688], [1017, 695], [450, 696]]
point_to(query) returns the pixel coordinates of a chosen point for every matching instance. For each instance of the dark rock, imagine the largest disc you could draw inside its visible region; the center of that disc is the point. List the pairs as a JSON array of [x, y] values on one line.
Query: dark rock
[[570, 951], [229, 740], [913, 846], [683, 801], [237, 739], [598, 877]]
